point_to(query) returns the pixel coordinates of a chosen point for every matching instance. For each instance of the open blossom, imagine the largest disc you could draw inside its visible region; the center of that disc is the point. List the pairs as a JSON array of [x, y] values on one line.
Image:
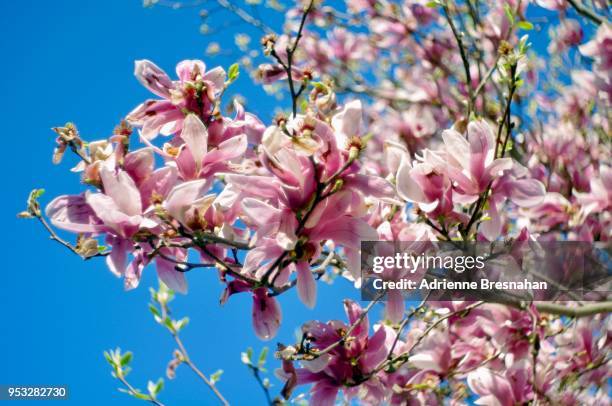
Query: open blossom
[[472, 164], [427, 183], [600, 49], [600, 196], [506, 388], [195, 91], [195, 159], [438, 180], [344, 365]]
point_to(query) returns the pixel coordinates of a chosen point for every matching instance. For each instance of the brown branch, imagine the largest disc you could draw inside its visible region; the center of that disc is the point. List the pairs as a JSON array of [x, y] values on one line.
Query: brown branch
[[464, 58], [588, 13], [196, 370]]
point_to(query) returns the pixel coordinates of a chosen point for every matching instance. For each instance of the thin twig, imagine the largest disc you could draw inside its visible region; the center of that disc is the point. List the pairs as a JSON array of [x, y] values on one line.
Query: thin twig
[[133, 392], [588, 13], [194, 368], [264, 388], [464, 58], [53, 235]]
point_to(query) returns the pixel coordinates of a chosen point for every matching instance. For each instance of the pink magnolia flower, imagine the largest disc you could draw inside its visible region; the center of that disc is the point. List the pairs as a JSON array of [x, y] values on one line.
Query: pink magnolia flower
[[346, 363], [569, 33], [197, 159], [195, 92], [516, 186], [426, 183], [471, 162], [334, 219], [600, 47], [599, 198], [502, 388]]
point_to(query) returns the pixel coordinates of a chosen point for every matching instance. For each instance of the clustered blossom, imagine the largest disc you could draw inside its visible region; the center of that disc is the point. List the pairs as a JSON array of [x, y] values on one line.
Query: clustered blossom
[[424, 147], [485, 349]]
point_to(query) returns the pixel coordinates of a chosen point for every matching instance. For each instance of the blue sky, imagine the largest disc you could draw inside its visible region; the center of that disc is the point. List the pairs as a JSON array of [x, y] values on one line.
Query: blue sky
[[73, 60]]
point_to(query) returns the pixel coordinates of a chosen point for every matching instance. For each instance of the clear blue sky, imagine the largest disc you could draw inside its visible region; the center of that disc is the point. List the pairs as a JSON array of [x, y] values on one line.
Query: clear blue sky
[[73, 60]]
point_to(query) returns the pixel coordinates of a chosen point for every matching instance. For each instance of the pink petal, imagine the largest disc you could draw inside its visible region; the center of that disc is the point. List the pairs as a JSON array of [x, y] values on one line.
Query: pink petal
[[370, 185], [185, 68], [260, 213], [345, 231], [228, 149], [492, 228], [527, 192], [482, 146], [347, 123], [72, 213], [186, 165], [107, 210], [395, 306], [160, 182], [407, 188], [266, 314], [195, 136], [306, 285], [323, 393], [182, 196], [174, 279], [139, 164], [153, 78], [122, 189], [117, 259], [216, 76], [457, 147]]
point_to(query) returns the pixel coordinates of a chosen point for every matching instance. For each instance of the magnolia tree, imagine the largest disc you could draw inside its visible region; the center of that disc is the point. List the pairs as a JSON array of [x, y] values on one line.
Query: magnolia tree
[[401, 121]]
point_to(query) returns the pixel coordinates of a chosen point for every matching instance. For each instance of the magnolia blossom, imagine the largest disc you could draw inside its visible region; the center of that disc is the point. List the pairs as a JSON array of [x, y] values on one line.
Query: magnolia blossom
[[194, 91]]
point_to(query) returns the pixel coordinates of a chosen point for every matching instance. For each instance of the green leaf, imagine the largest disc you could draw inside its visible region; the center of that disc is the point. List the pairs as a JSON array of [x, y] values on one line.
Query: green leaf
[[431, 4], [233, 72], [159, 386], [168, 323], [109, 358], [214, 378], [319, 86], [154, 310], [155, 387], [262, 357], [525, 25], [180, 324], [140, 396], [125, 359]]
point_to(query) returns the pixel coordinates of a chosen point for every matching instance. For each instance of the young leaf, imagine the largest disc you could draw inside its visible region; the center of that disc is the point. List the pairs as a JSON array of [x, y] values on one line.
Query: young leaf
[[214, 378], [125, 359], [262, 357], [233, 73]]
